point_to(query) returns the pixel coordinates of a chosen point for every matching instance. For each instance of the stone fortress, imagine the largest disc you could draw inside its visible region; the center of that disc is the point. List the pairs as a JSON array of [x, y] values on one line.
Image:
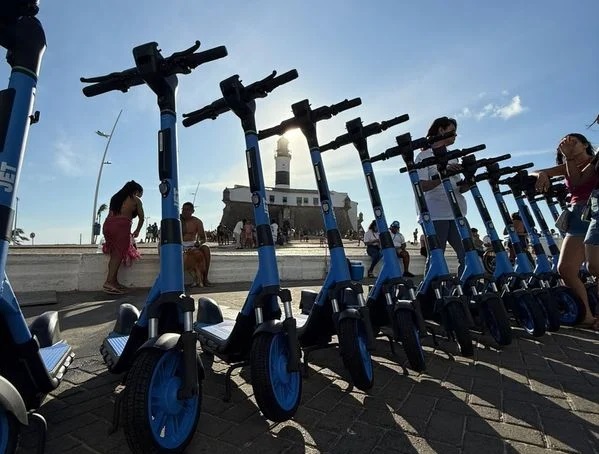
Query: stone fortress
[[300, 208]]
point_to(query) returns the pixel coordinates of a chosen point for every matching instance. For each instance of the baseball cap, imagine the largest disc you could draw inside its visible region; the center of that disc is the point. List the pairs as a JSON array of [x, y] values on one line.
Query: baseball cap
[[395, 224]]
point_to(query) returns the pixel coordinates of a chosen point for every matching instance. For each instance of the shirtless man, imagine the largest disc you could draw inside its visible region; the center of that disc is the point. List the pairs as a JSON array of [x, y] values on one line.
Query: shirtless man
[[197, 254]]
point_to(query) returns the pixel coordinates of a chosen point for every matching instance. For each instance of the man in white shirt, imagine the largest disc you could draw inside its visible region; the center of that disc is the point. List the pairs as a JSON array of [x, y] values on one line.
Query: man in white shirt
[[400, 247], [436, 198], [274, 228], [237, 233]]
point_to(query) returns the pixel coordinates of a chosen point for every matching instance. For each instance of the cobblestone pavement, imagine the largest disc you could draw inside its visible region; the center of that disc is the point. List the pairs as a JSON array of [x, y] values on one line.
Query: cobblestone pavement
[[535, 396]]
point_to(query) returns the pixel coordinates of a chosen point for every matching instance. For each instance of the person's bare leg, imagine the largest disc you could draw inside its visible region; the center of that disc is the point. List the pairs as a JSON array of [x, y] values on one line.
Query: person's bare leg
[[571, 258], [113, 268]]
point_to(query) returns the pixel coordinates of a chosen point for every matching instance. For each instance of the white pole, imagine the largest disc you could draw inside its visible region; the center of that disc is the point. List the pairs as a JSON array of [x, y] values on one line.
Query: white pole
[[93, 237]]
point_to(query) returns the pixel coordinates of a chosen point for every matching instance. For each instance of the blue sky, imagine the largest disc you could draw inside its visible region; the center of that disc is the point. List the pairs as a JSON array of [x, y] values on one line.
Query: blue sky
[[517, 76]]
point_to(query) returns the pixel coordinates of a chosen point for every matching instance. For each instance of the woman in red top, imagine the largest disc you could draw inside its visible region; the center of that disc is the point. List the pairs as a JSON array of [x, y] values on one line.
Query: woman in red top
[[574, 153]]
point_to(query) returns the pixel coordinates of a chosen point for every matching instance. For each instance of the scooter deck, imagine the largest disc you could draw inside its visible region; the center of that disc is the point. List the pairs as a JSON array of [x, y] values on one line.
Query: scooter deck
[[217, 332], [115, 344], [57, 358], [300, 319]]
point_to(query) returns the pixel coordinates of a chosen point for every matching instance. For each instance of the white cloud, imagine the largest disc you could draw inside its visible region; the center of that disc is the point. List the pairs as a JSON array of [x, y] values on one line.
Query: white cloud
[[66, 159], [510, 110], [505, 111]]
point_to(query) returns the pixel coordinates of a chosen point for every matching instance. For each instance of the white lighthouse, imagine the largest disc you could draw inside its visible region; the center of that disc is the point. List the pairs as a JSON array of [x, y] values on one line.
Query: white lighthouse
[[282, 162]]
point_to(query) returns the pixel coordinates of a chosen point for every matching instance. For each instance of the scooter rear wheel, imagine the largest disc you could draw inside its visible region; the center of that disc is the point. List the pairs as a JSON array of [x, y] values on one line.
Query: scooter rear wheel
[[9, 432], [155, 419], [278, 392], [355, 354], [456, 320], [496, 319], [410, 339]]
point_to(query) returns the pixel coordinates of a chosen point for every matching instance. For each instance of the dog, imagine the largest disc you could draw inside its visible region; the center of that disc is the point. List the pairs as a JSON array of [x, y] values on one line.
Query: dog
[[196, 261]]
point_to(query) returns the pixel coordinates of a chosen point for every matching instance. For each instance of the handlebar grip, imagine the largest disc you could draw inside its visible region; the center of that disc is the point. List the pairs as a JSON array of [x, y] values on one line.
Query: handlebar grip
[[474, 149], [111, 85], [345, 105], [394, 121], [282, 80], [208, 55], [335, 143], [277, 130], [209, 112]]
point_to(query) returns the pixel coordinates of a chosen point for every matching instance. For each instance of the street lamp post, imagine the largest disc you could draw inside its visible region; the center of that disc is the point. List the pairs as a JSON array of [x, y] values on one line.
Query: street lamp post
[[195, 194], [102, 163]]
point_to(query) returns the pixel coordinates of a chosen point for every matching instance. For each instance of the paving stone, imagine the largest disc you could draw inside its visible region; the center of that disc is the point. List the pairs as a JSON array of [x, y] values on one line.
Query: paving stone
[[396, 442], [489, 396], [507, 431], [514, 447], [418, 406], [520, 413], [566, 435], [476, 443], [341, 419], [359, 438], [446, 427]]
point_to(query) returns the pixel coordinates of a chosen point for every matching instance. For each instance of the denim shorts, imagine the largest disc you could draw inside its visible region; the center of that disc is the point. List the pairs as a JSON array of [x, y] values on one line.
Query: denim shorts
[[576, 226], [592, 236]]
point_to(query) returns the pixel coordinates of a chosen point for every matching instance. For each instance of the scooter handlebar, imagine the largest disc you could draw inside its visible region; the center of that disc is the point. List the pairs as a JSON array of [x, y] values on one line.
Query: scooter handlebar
[[367, 131], [321, 113], [435, 160], [259, 89], [178, 63], [120, 81]]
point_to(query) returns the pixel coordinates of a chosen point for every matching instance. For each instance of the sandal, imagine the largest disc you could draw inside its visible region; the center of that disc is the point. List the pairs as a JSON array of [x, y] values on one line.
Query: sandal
[[110, 290], [592, 325]]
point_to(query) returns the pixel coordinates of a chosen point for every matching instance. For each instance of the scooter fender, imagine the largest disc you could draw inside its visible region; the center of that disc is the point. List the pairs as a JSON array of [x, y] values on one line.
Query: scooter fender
[[407, 305], [12, 401], [168, 341], [269, 326], [349, 313]]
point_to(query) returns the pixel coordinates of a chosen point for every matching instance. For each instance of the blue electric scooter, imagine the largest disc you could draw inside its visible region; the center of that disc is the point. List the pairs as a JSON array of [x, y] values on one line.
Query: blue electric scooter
[[542, 273], [481, 289], [339, 308], [392, 297], [34, 358], [524, 266], [161, 400], [256, 338], [439, 296], [516, 295]]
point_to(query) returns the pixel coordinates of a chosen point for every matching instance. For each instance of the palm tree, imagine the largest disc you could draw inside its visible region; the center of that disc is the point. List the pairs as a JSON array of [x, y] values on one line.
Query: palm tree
[[102, 208], [18, 236]]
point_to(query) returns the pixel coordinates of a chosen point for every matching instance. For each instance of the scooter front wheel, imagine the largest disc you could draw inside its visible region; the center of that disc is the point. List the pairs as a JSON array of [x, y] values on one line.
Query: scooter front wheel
[[530, 314], [155, 419], [455, 320], [278, 392], [496, 319], [410, 339], [354, 351], [550, 299], [571, 309], [9, 432]]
